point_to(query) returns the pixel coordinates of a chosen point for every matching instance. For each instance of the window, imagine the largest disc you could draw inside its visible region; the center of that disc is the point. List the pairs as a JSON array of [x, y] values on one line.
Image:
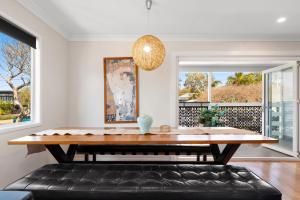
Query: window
[[220, 87], [16, 66]]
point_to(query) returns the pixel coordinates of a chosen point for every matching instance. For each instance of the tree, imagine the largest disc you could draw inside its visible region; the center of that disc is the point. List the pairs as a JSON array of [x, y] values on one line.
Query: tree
[[215, 83], [24, 95], [240, 78], [237, 79], [196, 82], [16, 72]]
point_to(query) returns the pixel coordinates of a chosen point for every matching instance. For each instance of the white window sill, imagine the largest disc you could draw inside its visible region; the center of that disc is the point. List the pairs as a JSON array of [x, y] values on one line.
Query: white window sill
[[17, 127]]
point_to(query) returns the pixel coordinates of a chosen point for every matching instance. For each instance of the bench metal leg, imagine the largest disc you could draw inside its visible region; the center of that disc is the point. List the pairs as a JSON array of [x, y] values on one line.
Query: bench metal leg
[[198, 157], [94, 157], [86, 157]]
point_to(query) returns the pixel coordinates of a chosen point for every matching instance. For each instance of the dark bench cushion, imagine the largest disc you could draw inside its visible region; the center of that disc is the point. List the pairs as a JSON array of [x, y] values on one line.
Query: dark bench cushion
[[145, 182]]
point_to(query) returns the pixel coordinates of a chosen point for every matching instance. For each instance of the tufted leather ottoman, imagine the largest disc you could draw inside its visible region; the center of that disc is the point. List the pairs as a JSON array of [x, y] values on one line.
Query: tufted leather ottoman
[[145, 182]]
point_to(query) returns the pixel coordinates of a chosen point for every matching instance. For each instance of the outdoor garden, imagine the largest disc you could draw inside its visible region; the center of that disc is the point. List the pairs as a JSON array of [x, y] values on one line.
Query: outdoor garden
[[15, 80]]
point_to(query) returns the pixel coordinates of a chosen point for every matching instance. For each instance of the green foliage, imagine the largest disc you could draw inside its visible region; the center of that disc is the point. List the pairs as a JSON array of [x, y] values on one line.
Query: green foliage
[[7, 117], [6, 107], [215, 83], [240, 78], [211, 117], [24, 95]]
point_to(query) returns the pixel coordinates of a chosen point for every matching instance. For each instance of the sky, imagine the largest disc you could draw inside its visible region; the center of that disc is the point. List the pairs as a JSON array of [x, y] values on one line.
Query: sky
[[3, 40]]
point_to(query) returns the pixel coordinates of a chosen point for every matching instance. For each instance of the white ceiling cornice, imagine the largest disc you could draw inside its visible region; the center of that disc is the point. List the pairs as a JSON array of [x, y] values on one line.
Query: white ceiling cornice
[[172, 38], [44, 16]]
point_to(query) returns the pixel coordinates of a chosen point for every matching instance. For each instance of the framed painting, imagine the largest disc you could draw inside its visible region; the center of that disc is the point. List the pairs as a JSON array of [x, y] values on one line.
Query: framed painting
[[120, 90]]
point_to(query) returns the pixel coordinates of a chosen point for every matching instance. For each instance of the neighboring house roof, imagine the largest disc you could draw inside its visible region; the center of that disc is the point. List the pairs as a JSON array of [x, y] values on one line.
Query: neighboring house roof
[[6, 92], [192, 100], [185, 96]]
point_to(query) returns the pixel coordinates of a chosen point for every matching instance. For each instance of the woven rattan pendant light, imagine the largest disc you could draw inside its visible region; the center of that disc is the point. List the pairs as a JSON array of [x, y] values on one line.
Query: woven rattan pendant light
[[148, 51]]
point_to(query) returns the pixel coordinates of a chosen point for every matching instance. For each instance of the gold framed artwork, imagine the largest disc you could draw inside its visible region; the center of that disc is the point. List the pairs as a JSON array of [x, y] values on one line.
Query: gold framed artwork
[[121, 103]]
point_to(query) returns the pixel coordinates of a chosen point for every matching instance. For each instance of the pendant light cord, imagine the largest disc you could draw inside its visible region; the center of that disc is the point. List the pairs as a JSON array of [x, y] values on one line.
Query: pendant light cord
[[148, 6], [148, 21]]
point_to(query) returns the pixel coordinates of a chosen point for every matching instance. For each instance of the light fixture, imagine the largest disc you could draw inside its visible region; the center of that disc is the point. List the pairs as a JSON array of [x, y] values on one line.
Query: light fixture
[[281, 20], [148, 51]]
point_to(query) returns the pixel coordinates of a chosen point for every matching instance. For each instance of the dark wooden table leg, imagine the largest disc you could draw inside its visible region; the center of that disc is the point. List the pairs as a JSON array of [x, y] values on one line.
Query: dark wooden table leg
[[72, 151], [224, 156], [227, 153], [59, 154]]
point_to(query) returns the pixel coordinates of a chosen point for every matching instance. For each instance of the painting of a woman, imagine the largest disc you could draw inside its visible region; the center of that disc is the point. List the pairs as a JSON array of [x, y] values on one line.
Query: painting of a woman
[[121, 84]]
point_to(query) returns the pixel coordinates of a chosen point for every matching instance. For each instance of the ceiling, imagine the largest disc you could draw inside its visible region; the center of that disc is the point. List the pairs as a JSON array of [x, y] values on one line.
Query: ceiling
[[233, 20]]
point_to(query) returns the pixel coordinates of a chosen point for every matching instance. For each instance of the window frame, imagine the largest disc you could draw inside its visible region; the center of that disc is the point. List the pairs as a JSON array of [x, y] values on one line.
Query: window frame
[[35, 109]]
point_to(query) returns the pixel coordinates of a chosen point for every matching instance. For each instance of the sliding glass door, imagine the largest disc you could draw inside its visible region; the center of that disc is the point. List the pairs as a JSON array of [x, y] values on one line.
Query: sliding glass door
[[281, 109]]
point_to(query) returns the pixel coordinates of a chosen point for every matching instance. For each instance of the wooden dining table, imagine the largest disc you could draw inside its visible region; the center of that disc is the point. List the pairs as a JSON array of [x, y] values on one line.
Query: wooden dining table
[[231, 140]]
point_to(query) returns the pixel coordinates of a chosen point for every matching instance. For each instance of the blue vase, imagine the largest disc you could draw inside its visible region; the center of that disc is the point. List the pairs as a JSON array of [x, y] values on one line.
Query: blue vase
[[144, 123]]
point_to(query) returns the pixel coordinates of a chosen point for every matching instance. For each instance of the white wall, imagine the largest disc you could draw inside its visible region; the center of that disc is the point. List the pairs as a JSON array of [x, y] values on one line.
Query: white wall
[[54, 53], [86, 84], [157, 89]]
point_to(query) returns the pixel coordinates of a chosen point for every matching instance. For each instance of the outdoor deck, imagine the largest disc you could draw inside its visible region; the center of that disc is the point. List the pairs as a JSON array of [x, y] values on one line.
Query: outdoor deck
[[242, 115]]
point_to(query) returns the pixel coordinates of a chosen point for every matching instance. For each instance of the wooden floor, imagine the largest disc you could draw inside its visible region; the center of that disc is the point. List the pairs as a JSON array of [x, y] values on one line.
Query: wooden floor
[[285, 176]]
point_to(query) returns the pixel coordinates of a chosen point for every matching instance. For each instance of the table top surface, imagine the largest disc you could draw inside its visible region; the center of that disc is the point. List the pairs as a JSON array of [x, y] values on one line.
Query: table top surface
[[221, 136]]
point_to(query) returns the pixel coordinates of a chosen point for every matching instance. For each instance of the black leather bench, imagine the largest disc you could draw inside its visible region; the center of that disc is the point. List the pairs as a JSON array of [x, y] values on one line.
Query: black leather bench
[[145, 182]]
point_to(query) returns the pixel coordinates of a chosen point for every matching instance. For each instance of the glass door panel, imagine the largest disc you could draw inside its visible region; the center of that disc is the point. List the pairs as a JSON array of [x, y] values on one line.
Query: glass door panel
[[281, 108]]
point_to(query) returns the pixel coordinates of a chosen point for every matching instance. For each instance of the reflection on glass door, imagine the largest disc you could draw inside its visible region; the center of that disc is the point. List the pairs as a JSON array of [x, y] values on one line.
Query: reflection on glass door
[[281, 108]]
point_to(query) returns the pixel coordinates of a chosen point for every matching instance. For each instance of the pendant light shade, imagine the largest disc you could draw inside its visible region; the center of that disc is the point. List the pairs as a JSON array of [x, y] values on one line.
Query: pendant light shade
[[148, 52]]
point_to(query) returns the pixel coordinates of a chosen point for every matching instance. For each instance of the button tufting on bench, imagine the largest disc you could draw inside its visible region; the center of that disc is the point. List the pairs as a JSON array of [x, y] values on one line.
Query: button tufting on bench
[[145, 181]]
